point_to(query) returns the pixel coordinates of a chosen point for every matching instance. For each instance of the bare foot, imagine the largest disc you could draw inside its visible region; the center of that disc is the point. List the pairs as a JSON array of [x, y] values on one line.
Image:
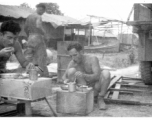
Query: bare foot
[[101, 103]]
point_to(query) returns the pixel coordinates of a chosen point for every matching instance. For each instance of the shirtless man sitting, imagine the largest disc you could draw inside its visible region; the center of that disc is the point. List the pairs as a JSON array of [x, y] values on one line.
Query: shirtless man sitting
[[87, 71]]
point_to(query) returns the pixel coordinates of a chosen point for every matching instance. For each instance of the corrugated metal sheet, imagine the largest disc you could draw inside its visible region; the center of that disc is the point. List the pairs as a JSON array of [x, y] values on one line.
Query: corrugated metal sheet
[[103, 34], [14, 11], [21, 12], [97, 33]]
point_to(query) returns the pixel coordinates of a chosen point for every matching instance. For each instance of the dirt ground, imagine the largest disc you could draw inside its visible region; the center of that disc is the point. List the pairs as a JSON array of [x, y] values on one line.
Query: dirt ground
[[114, 110]]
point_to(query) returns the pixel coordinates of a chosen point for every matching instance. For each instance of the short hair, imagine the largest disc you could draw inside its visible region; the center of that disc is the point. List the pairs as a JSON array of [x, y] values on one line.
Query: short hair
[[10, 26], [42, 5], [77, 46]]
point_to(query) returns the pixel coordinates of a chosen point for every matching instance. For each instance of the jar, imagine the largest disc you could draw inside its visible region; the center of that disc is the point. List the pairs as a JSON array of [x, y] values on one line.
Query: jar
[[72, 87], [33, 74]]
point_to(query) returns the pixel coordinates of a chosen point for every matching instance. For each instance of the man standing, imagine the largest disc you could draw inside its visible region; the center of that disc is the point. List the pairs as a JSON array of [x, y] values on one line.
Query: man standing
[[36, 50], [9, 45], [87, 71]]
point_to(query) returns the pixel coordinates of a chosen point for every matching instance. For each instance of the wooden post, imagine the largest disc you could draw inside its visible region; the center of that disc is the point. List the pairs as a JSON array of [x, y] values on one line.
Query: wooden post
[[90, 34], [71, 34], [121, 31], [28, 109], [130, 13], [64, 33], [78, 35], [85, 34]]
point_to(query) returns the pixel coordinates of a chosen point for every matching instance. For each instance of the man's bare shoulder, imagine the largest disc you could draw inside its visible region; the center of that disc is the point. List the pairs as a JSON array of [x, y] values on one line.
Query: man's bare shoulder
[[17, 46], [71, 64], [33, 15], [91, 58]]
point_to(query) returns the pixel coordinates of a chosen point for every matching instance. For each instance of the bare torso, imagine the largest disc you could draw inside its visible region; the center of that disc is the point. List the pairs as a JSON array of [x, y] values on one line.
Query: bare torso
[[31, 24], [86, 65]]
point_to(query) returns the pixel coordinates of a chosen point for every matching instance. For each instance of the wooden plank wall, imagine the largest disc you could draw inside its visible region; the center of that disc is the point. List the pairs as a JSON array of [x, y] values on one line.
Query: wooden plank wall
[[142, 13]]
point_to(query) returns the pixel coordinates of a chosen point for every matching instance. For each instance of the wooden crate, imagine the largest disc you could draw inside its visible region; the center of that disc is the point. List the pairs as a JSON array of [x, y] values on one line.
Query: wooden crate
[[25, 89], [81, 103]]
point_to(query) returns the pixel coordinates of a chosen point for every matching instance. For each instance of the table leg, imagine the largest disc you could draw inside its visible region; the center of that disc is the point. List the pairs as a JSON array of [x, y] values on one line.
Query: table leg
[[28, 109]]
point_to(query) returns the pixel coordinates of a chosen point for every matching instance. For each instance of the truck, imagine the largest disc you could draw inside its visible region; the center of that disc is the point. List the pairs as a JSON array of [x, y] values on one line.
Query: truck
[[142, 25]]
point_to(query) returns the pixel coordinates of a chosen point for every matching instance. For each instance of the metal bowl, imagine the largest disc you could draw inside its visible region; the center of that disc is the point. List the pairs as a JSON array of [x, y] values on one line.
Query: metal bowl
[[64, 87], [10, 75]]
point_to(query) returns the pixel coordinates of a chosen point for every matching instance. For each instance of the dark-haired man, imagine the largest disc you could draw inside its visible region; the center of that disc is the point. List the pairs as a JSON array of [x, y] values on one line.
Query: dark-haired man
[[87, 71], [36, 48], [9, 45]]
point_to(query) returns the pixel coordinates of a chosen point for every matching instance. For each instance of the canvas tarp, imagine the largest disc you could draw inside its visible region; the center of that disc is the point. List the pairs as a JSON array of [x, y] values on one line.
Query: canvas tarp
[[22, 12]]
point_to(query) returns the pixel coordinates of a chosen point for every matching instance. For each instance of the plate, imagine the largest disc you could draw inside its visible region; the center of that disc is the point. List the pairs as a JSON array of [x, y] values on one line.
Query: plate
[[10, 75]]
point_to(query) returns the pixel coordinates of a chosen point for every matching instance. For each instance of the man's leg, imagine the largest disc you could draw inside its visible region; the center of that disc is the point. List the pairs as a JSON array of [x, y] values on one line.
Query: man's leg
[[71, 76], [101, 88]]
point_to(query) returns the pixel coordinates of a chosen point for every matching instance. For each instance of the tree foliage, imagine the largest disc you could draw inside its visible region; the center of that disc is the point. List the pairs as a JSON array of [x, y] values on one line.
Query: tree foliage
[[53, 8], [25, 5]]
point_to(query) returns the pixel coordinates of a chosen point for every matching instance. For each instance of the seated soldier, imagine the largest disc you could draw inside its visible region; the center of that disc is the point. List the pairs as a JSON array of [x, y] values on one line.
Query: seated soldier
[[10, 45], [87, 71]]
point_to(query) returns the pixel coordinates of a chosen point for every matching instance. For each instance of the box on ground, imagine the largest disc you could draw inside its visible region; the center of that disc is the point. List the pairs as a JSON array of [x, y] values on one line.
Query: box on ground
[[80, 103]]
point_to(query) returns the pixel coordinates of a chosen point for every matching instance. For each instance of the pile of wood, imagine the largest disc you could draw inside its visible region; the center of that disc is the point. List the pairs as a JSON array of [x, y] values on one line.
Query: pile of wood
[[126, 85]]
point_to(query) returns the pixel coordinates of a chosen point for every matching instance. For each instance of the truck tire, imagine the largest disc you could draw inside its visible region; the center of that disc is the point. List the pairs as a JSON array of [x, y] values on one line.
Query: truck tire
[[146, 73]]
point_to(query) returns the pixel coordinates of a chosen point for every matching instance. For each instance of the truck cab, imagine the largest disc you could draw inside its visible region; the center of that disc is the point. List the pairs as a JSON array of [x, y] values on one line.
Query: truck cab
[[142, 25]]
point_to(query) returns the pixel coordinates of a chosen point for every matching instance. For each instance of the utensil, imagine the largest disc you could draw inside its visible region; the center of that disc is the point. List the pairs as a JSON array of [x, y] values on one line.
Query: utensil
[[40, 68]]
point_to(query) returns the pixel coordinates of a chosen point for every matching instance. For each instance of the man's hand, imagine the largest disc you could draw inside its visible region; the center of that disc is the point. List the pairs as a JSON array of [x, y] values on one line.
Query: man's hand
[[79, 74], [30, 66], [7, 51], [65, 81]]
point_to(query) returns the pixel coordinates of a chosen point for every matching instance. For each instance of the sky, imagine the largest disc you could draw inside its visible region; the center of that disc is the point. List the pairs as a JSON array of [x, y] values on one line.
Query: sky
[[79, 9]]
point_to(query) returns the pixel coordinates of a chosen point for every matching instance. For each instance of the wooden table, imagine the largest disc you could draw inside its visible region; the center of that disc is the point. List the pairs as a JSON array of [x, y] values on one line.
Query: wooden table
[[26, 91]]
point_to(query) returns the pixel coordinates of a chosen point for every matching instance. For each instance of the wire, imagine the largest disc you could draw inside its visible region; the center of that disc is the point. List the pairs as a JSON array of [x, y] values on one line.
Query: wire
[[116, 12]]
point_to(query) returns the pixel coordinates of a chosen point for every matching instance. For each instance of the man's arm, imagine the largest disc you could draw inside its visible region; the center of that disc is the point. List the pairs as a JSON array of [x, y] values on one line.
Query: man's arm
[[64, 77], [19, 55], [95, 69], [41, 60], [26, 27], [39, 24]]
